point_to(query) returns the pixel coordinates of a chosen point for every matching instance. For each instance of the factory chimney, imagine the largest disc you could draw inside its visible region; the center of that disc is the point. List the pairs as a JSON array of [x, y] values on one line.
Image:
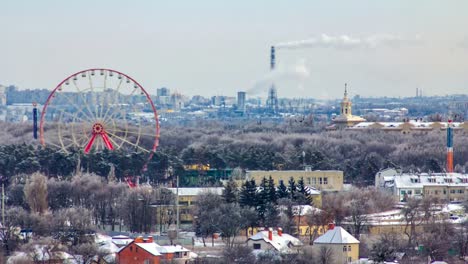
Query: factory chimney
[[272, 58], [449, 147], [272, 99]]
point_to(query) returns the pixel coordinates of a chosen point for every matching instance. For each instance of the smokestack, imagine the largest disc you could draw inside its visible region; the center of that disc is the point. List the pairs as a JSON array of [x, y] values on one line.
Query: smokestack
[[449, 147], [331, 226], [272, 58], [270, 233], [280, 231]]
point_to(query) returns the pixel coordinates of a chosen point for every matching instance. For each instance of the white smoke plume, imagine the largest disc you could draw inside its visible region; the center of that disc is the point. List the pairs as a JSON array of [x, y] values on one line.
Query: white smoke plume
[[347, 42], [294, 75]]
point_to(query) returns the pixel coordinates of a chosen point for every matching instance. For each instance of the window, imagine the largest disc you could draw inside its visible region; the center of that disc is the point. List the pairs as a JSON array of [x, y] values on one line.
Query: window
[[410, 192], [308, 180], [349, 248], [452, 191], [403, 192], [131, 249], [461, 191], [136, 249], [320, 181], [445, 191], [350, 259], [147, 261], [436, 192], [325, 180], [257, 246], [314, 181], [431, 180], [418, 192], [448, 180], [345, 248], [281, 182]]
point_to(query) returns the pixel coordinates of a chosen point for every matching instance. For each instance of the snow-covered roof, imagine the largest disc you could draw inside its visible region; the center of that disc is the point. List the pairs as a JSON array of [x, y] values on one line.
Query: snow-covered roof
[[435, 179], [197, 191], [281, 243], [413, 123], [337, 235], [152, 248]]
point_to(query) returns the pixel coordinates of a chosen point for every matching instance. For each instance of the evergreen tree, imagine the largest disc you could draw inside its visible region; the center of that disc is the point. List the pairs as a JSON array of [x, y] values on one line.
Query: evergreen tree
[[282, 191], [230, 192], [248, 194], [271, 191], [292, 188], [263, 199], [304, 197], [271, 216]]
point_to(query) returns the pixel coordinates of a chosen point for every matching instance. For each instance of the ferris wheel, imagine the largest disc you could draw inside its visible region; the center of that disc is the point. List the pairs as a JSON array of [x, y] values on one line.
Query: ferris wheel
[[99, 109]]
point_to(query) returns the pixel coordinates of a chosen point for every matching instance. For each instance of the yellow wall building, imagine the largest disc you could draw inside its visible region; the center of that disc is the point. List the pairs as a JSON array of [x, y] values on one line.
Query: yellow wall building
[[329, 180], [188, 198]]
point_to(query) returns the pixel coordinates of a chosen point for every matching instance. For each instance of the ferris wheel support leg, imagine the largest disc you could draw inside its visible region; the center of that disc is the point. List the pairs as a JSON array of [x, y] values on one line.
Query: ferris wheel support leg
[[90, 144], [107, 141]]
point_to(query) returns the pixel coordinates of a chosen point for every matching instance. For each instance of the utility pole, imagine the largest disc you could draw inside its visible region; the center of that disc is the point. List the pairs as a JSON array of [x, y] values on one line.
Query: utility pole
[[177, 206], [3, 203]]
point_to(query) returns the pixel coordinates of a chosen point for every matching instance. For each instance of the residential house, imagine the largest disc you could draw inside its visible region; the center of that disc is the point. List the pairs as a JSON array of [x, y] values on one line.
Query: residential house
[[145, 251], [342, 246], [277, 241]]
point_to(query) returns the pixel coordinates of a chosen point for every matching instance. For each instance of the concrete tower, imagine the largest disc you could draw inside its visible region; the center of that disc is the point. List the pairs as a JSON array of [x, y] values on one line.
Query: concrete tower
[[241, 101], [2, 95]]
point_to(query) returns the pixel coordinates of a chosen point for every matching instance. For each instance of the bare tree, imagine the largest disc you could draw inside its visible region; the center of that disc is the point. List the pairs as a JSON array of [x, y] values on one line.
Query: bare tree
[[385, 248], [436, 240], [325, 255], [238, 254], [316, 220], [35, 192], [412, 217]]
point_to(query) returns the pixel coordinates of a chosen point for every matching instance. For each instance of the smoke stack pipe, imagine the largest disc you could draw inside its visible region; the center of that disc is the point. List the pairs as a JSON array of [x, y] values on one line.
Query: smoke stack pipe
[[280, 231], [270, 234], [449, 147], [272, 58], [331, 226]]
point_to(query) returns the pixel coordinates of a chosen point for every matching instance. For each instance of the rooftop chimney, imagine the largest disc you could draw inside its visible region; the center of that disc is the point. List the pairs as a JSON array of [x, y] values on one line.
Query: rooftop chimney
[[270, 234], [331, 226], [280, 231]]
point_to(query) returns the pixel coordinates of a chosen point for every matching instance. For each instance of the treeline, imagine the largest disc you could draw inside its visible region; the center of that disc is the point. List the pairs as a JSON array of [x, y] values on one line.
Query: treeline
[[360, 154], [69, 210]]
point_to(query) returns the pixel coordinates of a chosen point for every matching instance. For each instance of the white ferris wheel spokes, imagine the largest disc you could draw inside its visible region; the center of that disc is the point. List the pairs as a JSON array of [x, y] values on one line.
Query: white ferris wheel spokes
[[99, 109]]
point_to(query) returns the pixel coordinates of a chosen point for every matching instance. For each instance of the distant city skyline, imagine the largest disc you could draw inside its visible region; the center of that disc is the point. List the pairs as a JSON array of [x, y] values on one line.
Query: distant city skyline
[[218, 48]]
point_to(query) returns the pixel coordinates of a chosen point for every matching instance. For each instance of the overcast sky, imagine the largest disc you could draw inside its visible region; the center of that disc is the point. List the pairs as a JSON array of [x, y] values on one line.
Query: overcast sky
[[381, 48]]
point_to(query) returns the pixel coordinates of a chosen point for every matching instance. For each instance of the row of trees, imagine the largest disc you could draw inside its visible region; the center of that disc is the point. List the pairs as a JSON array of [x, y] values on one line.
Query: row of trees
[[70, 209], [248, 146], [251, 206]]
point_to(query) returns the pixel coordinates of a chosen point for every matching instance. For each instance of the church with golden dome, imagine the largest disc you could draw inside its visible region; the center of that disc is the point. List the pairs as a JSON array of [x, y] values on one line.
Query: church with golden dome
[[346, 118]]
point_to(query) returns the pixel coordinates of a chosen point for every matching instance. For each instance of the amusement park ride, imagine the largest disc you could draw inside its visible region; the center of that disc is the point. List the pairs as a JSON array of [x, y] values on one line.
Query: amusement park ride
[[99, 109]]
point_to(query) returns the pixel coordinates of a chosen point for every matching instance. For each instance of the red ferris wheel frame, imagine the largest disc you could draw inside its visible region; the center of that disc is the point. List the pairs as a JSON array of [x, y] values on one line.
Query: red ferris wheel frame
[[51, 95]]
